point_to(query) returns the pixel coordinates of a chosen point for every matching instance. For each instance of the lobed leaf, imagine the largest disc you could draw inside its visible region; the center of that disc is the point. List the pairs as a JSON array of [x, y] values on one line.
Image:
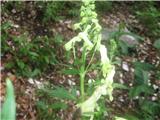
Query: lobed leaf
[[61, 93]]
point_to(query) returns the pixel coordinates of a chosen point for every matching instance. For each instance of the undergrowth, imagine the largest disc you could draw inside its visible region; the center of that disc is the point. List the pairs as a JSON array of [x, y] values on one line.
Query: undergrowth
[[28, 57]]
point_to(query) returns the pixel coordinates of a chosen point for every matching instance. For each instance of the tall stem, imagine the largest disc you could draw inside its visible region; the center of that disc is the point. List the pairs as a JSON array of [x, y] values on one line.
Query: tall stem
[[82, 73], [82, 77]]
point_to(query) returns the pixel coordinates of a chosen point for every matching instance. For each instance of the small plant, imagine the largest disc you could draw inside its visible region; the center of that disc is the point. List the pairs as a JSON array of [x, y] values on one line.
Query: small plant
[[149, 16], [52, 99], [74, 7], [148, 109], [53, 10], [5, 35], [90, 41], [28, 57], [9, 107]]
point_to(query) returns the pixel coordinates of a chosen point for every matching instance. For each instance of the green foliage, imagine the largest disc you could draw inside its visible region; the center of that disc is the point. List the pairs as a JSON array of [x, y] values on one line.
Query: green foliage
[[60, 92], [149, 15], [9, 107], [120, 86], [137, 90], [147, 109], [70, 71], [53, 98], [157, 44], [58, 39], [101, 112], [87, 18], [124, 47], [29, 57], [117, 46], [4, 31], [141, 79], [158, 74], [112, 48], [53, 11], [141, 72], [73, 8], [47, 110], [7, 6]]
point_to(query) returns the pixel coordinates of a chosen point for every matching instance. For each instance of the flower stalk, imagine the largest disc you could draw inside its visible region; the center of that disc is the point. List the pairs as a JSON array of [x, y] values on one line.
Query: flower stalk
[[90, 36]]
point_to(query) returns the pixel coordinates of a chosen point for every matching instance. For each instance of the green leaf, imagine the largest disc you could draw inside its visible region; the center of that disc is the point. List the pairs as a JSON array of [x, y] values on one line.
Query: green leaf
[[158, 75], [137, 90], [58, 105], [33, 54], [9, 65], [145, 76], [35, 72], [112, 48], [120, 86], [20, 63], [131, 117], [124, 47], [157, 44], [150, 107], [73, 91], [70, 71], [6, 25], [77, 61], [58, 38], [53, 60], [9, 106], [143, 65], [141, 72], [61, 93], [41, 105]]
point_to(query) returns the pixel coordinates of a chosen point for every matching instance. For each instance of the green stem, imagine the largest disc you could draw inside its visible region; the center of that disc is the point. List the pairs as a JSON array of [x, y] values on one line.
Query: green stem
[[82, 73], [90, 61], [82, 76], [94, 50]]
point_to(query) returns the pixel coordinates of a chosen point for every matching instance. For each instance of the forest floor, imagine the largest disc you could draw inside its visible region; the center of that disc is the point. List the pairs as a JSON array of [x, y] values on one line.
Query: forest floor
[[25, 88]]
